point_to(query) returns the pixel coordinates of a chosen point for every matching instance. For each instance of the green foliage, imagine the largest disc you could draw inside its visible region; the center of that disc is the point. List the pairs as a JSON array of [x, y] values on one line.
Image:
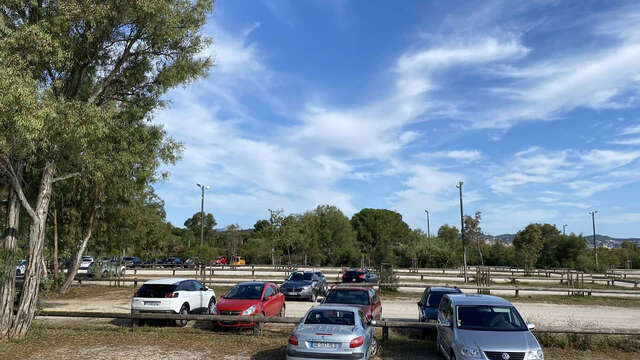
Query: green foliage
[[378, 231], [528, 243], [194, 225]]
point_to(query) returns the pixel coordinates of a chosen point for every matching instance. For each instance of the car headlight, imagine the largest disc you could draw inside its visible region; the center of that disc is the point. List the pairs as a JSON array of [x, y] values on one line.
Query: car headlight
[[249, 311], [306, 288], [471, 352], [535, 355]]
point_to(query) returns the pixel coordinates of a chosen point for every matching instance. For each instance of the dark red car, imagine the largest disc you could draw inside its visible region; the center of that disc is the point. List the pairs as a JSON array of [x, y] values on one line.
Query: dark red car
[[248, 299], [366, 298]]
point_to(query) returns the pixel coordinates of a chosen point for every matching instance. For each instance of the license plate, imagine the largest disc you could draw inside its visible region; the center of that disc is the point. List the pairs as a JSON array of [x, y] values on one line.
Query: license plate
[[323, 345], [152, 303]]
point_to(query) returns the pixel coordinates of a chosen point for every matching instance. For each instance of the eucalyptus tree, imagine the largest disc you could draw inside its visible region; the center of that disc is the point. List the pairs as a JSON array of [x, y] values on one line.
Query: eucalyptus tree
[[75, 76]]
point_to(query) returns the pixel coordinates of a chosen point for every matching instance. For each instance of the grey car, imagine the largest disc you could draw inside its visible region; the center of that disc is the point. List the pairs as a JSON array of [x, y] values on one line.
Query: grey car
[[303, 285], [333, 332], [484, 327]]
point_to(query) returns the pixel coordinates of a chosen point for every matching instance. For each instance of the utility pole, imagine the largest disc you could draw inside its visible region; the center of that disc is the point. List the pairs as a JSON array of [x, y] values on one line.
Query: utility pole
[[203, 188], [564, 229], [464, 246], [595, 244], [428, 226]]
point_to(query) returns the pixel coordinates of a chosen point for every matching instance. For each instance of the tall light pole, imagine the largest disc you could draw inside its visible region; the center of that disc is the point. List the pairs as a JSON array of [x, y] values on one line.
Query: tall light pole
[[595, 244], [428, 226], [203, 188], [564, 229], [464, 246]]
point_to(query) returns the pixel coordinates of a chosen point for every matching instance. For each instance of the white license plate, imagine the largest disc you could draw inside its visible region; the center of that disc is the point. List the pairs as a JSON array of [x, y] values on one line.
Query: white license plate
[[323, 345], [152, 303]]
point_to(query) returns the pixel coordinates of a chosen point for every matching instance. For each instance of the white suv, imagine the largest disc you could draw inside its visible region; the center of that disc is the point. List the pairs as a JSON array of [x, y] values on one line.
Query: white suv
[[177, 296]]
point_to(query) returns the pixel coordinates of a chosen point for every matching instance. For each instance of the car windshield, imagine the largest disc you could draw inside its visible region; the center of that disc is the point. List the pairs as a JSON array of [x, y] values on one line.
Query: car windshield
[[355, 297], [248, 292], [155, 290], [301, 277], [87, 258], [354, 273], [490, 318], [330, 317]]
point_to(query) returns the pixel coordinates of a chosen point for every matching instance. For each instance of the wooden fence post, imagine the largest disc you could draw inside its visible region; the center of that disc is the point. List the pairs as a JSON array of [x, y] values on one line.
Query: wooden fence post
[[385, 333], [134, 321]]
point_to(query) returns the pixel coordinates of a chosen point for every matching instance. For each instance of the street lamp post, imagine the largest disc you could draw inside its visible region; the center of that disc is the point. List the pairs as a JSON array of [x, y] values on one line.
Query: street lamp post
[[564, 229], [464, 246], [203, 188], [595, 244], [428, 226]]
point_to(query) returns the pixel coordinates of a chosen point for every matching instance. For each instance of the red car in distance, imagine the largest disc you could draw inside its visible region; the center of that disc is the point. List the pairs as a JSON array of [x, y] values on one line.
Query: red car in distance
[[366, 298], [248, 299], [221, 261]]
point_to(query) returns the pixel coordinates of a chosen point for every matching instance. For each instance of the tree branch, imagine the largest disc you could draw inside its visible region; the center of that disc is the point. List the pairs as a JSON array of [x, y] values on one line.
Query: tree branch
[[65, 177], [17, 188], [107, 80]]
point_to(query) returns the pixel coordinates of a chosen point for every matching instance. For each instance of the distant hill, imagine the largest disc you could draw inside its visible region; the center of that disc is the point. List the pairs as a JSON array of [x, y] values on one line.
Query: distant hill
[[603, 240]]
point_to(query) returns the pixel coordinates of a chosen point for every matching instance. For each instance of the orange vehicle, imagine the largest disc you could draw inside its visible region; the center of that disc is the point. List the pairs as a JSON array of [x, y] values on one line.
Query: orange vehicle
[[237, 261]]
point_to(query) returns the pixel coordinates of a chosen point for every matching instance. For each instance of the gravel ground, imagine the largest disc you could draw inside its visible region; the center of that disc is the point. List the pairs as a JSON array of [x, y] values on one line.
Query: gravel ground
[[579, 316]]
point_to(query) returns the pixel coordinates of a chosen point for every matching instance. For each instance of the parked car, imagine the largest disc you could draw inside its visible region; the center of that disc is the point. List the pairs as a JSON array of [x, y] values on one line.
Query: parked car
[[359, 275], [85, 262], [131, 261], [484, 327], [251, 298], [175, 295], [106, 268], [333, 332], [303, 285], [323, 280], [238, 261], [170, 262], [21, 268], [428, 304], [366, 299], [221, 260]]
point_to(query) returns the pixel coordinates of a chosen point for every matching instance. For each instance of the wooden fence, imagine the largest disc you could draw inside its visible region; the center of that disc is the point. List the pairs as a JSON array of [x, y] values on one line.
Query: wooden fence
[[259, 320]]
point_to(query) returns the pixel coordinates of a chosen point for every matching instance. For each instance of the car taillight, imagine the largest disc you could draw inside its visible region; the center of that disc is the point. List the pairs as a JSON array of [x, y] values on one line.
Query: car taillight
[[357, 342], [361, 276], [171, 295], [293, 340]]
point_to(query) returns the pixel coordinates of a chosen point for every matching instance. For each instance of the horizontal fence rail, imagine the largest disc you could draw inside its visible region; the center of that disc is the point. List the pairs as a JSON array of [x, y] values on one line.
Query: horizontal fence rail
[[480, 289], [385, 324]]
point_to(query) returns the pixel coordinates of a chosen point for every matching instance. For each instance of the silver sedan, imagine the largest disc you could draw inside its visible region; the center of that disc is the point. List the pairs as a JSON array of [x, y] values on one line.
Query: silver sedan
[[333, 332], [484, 327]]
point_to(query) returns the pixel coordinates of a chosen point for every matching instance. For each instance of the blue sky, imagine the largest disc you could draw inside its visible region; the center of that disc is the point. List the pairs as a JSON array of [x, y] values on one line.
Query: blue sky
[[534, 105]]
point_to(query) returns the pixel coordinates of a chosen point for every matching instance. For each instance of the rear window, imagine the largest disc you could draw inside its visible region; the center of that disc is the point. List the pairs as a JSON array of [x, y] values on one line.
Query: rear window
[[330, 317], [155, 290], [354, 297]]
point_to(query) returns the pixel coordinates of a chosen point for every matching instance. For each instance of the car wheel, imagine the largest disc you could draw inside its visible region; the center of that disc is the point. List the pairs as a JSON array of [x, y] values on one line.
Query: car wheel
[[212, 306], [184, 310], [373, 349], [123, 271], [282, 311]]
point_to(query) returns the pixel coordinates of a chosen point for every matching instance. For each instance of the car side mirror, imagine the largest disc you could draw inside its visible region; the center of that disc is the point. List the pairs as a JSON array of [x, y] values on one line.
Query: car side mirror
[[445, 323], [531, 326]]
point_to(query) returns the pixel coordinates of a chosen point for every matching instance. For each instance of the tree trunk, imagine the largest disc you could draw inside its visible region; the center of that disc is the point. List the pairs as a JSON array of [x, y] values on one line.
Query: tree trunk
[[55, 242], [7, 288], [71, 274], [28, 300]]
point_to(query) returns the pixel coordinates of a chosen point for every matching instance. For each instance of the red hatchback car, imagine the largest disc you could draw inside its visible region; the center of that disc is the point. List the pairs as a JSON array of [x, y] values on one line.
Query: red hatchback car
[[366, 298], [248, 299]]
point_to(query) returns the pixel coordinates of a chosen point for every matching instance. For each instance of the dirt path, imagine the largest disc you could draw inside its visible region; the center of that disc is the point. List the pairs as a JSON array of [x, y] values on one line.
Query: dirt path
[[579, 316]]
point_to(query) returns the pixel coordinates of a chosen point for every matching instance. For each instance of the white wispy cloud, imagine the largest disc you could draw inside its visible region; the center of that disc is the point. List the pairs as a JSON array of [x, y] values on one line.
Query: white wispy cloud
[[459, 155]]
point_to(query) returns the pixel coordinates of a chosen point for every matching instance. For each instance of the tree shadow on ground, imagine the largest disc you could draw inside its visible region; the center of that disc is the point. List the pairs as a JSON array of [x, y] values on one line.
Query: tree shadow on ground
[[271, 354]]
